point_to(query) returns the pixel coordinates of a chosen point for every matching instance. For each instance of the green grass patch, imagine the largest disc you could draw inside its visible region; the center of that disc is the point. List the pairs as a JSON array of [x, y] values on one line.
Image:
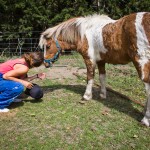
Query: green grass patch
[[124, 79], [60, 122]]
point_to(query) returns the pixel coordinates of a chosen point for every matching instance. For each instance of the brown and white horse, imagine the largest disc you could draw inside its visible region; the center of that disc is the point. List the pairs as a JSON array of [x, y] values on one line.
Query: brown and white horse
[[101, 40]]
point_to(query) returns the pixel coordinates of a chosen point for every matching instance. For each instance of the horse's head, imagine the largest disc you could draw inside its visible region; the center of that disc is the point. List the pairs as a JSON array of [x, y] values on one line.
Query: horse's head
[[66, 38], [52, 51]]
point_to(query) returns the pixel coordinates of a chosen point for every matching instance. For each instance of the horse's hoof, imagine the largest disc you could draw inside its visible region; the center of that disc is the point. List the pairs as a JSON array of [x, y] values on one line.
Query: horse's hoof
[[87, 98], [145, 122], [102, 96], [82, 102]]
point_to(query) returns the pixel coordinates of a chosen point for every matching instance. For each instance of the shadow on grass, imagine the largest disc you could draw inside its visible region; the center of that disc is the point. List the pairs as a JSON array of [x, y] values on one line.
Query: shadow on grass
[[33, 100], [15, 105], [113, 101], [20, 104]]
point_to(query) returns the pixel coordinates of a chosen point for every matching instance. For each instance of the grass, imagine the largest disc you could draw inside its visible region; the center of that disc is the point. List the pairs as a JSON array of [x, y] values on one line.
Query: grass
[[125, 80], [60, 122]]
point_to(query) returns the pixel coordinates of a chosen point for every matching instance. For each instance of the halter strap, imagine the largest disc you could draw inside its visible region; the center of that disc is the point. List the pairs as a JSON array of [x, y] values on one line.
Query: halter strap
[[55, 58]]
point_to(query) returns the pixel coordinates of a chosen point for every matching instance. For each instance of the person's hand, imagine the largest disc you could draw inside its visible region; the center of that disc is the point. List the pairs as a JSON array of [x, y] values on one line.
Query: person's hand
[[27, 84], [41, 75]]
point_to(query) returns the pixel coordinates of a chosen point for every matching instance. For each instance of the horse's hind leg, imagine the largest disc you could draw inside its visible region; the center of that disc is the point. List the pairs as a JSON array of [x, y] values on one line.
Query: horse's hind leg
[[102, 76]]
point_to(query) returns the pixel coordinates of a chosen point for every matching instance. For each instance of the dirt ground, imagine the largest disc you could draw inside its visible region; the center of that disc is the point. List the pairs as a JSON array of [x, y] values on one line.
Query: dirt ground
[[63, 72]]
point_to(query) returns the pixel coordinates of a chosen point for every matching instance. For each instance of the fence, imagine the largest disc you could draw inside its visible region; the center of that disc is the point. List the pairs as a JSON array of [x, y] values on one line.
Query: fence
[[17, 45]]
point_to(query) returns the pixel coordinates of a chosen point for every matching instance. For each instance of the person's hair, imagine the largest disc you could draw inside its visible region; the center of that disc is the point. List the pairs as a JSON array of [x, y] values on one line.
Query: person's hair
[[33, 59]]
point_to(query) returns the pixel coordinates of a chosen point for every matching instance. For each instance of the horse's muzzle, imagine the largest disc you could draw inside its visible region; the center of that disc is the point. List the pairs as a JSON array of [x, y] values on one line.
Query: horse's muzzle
[[47, 65]]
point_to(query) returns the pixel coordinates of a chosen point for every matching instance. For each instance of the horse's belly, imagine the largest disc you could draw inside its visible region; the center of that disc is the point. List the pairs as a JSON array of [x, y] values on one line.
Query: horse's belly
[[115, 58]]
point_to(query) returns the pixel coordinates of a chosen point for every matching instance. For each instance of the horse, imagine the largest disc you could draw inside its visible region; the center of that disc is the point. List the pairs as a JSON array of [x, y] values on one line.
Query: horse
[[100, 40]]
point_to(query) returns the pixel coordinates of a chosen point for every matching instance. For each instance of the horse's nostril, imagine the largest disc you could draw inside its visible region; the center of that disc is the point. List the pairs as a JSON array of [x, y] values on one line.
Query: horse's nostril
[[46, 65]]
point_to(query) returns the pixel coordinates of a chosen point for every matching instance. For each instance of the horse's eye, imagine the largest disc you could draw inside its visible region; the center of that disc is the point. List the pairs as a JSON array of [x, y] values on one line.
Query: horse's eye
[[48, 46]]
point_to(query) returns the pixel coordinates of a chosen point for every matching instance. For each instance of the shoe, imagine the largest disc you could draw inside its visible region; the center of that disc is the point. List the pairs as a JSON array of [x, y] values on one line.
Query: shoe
[[17, 100], [4, 110]]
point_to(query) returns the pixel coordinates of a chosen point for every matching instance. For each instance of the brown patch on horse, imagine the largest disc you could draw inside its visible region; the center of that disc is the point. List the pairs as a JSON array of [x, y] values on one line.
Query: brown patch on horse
[[146, 25], [137, 66], [67, 46], [119, 39], [83, 51], [146, 71], [51, 45], [101, 67]]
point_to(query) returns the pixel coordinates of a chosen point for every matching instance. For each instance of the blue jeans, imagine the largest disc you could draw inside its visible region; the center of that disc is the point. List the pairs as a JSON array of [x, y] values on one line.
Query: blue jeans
[[9, 90]]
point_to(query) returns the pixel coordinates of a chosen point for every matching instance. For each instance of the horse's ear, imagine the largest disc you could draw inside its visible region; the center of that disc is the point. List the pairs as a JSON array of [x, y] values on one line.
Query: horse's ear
[[45, 36]]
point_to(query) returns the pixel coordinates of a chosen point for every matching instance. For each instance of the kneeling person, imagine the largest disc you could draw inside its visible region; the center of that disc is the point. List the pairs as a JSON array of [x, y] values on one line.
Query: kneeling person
[[13, 78]]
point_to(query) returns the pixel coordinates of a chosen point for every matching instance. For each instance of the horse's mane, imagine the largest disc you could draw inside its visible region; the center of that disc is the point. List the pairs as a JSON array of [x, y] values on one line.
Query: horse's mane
[[72, 29]]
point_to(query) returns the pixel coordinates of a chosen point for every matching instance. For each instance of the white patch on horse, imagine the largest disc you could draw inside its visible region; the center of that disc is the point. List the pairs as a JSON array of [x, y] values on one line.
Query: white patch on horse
[[42, 41], [87, 22], [147, 87], [88, 92], [95, 39], [142, 41], [44, 51], [146, 119]]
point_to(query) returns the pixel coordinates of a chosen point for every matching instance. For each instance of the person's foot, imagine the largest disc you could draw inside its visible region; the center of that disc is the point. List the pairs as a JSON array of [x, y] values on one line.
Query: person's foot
[[4, 110], [17, 100], [22, 96]]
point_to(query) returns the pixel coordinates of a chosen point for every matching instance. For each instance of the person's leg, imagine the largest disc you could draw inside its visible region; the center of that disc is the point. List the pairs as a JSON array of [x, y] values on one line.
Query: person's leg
[[9, 91], [36, 92], [20, 98]]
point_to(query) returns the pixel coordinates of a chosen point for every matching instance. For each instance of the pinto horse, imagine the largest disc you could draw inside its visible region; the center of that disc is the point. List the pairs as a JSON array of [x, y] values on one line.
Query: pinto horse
[[100, 40]]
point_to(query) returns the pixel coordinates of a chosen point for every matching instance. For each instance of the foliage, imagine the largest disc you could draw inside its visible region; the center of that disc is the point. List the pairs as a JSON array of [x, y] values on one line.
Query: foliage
[[31, 15], [119, 8], [26, 16]]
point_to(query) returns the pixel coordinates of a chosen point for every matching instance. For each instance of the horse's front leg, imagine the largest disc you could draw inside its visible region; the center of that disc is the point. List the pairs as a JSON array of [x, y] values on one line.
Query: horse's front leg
[[102, 76], [146, 119], [90, 79], [144, 74]]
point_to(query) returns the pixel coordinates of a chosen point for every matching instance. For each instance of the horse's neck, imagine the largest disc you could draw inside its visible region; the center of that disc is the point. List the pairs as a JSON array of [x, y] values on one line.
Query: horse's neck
[[67, 46]]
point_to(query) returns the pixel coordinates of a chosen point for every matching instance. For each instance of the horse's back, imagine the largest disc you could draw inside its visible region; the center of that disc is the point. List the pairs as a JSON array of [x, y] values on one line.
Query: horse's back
[[125, 37]]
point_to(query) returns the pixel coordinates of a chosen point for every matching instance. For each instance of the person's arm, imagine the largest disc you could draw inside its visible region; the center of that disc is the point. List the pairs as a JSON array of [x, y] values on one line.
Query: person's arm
[[39, 75], [18, 71]]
